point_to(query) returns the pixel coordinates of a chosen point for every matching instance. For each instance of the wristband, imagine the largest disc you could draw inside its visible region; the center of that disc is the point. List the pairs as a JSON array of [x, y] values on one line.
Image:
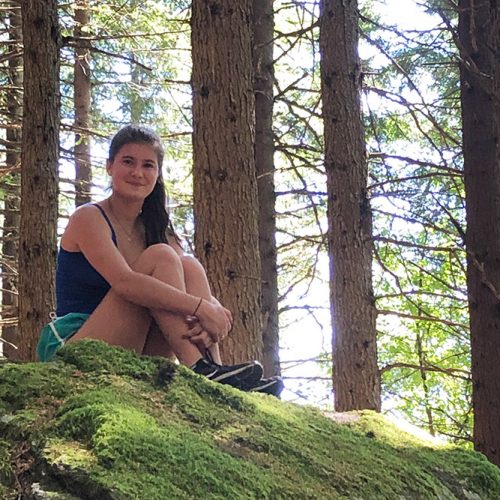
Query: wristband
[[197, 307]]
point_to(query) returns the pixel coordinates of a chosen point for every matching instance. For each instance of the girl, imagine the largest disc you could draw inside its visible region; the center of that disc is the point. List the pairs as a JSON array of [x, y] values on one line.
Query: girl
[[123, 278]]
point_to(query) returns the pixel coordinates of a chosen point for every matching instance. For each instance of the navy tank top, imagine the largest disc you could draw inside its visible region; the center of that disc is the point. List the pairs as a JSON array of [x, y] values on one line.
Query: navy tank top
[[79, 287]]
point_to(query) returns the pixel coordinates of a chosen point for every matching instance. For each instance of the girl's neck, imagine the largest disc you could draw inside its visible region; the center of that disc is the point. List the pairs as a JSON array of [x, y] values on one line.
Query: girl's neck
[[126, 210]]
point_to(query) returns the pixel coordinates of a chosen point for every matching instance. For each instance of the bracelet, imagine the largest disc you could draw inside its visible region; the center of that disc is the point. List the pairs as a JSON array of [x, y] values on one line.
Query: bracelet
[[197, 307]]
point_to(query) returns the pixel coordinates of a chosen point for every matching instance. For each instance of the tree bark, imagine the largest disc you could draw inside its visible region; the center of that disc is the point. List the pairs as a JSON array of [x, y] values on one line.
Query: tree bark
[[10, 246], [263, 66], [356, 381], [224, 178], [82, 90], [39, 170], [479, 43]]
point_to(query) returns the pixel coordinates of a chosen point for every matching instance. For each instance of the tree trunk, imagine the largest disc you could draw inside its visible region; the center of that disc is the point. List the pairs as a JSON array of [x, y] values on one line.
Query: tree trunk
[[82, 90], [479, 42], [356, 381], [39, 170], [263, 32], [224, 178], [422, 362], [10, 246], [136, 102]]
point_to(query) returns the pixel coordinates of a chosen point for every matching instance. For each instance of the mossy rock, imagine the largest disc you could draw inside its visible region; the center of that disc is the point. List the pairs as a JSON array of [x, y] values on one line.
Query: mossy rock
[[102, 423]]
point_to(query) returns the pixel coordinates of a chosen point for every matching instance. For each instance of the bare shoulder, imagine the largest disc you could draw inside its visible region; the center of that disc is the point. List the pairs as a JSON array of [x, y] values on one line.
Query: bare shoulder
[[85, 222], [88, 208], [86, 214]]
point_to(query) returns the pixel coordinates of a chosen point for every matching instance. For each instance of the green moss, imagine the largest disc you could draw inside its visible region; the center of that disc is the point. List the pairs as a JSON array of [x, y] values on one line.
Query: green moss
[[125, 432], [95, 356], [459, 470], [62, 451], [115, 425], [195, 399], [4, 492], [21, 383], [128, 444], [19, 425], [5, 468]]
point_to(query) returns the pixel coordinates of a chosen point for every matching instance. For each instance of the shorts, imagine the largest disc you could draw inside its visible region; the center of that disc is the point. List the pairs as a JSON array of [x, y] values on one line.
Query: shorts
[[57, 332]]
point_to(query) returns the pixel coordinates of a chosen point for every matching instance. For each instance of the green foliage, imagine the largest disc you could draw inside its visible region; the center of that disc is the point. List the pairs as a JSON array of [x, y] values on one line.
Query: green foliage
[[413, 133], [113, 435]]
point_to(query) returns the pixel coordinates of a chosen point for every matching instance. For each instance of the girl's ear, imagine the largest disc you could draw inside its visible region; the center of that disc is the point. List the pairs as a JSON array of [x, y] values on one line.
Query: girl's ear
[[108, 167]]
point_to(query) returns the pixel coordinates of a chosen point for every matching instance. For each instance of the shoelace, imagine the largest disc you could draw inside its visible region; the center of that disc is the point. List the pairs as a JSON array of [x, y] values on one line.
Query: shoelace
[[209, 357]]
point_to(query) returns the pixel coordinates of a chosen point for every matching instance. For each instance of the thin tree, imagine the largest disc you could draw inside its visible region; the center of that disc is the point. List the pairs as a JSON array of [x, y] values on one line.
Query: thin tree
[[356, 380], [479, 43], [82, 96], [39, 175], [10, 243], [263, 33], [224, 178]]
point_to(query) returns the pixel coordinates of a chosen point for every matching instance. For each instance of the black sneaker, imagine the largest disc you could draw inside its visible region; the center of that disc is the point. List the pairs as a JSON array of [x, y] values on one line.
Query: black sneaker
[[235, 375], [271, 385]]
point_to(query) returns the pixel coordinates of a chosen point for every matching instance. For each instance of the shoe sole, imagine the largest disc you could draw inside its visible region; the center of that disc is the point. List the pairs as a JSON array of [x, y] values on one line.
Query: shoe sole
[[245, 374], [274, 387]]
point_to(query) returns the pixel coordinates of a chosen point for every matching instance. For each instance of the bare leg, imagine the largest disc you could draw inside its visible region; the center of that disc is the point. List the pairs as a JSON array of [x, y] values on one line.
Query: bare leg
[[156, 344], [119, 322], [197, 284]]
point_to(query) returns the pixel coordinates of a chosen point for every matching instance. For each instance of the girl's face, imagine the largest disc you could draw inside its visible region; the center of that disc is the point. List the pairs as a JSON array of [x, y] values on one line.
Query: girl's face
[[134, 171]]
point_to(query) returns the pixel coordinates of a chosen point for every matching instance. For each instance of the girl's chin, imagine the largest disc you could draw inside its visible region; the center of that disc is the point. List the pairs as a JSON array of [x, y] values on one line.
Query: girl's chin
[[132, 194], [131, 198]]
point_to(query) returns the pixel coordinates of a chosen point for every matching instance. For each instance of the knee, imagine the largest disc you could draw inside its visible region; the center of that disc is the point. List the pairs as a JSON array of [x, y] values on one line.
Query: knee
[[190, 264], [162, 253]]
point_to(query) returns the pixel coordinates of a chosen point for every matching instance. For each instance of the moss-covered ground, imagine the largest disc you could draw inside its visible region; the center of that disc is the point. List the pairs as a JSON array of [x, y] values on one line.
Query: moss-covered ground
[[102, 423]]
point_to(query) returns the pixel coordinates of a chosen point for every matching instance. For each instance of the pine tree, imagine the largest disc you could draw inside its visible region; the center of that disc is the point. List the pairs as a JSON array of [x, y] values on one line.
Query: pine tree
[[10, 244], [479, 43], [263, 33], [224, 178], [82, 99], [355, 373], [39, 170]]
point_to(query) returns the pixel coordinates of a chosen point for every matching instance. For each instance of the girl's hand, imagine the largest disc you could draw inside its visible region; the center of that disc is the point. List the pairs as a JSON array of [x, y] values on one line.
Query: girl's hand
[[199, 337], [215, 319], [202, 341], [227, 311]]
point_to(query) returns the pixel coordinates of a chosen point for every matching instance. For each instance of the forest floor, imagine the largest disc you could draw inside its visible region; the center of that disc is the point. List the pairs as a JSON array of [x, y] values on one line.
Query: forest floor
[[103, 423]]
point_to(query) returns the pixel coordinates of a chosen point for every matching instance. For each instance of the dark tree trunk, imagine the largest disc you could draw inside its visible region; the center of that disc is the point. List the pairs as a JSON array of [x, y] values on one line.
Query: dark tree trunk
[[39, 170], [356, 381], [479, 37], [82, 90], [263, 32], [225, 184], [11, 188]]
